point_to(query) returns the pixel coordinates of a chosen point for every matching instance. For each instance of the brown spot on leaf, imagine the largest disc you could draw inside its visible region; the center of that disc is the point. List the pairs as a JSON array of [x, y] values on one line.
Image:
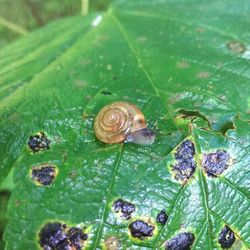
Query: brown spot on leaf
[[200, 30], [183, 65], [236, 47], [203, 74], [112, 243], [80, 83]]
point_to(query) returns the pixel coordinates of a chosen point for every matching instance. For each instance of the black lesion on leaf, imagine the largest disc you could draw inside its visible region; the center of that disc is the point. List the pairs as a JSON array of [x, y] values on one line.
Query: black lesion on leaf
[[182, 241], [216, 163], [186, 165], [124, 207], [38, 142], [226, 237], [162, 217], [57, 236], [44, 174], [77, 237], [140, 229], [106, 93]]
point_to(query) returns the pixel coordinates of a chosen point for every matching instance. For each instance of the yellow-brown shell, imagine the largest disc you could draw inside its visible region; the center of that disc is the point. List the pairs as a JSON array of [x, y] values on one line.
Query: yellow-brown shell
[[116, 120]]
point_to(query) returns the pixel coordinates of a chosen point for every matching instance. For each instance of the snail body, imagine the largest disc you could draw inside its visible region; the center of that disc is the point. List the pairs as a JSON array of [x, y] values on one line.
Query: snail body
[[122, 121]]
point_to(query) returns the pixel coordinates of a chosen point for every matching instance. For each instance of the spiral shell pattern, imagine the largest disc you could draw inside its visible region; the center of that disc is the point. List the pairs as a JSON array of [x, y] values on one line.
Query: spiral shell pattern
[[115, 121]]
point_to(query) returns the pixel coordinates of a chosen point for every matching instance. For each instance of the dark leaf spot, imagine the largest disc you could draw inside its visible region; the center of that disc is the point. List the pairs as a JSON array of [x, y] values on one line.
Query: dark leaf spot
[[44, 174], [236, 47], [226, 237], [141, 229], [186, 165], [215, 163], [106, 93], [183, 65], [77, 237], [124, 207], [38, 142], [52, 235], [114, 78], [162, 217], [55, 235], [112, 243], [182, 241]]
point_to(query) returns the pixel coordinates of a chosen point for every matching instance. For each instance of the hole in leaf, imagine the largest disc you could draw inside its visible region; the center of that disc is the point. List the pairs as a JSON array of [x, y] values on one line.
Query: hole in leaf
[[226, 127], [216, 163], [55, 235], [186, 165], [124, 207], [162, 217], [140, 229], [38, 142], [182, 241], [226, 237], [44, 174], [192, 114]]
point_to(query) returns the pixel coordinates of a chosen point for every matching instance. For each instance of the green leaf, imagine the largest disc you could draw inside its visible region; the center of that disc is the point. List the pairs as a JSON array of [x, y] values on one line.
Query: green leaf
[[185, 65]]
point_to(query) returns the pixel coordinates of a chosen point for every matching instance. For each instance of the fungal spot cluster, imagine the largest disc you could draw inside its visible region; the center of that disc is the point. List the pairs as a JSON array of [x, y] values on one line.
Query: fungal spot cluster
[[38, 142], [140, 229], [124, 207], [55, 235], [162, 217], [186, 165], [44, 174], [216, 163], [182, 241], [226, 237]]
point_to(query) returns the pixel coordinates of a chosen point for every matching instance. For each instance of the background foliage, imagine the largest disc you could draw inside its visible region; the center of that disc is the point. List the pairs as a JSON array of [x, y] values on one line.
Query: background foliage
[[28, 15]]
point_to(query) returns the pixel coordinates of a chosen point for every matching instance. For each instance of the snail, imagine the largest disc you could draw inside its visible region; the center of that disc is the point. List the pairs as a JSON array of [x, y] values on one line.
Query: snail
[[122, 122]]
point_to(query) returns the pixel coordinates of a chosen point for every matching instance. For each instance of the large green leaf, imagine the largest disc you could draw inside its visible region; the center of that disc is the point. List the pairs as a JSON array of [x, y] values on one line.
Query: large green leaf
[[186, 65]]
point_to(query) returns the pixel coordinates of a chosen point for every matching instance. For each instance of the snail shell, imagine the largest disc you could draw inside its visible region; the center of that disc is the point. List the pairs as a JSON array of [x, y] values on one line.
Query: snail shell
[[121, 120]]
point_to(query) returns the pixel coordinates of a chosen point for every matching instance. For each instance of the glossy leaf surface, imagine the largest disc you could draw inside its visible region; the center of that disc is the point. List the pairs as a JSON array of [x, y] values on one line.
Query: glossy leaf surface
[[186, 66]]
